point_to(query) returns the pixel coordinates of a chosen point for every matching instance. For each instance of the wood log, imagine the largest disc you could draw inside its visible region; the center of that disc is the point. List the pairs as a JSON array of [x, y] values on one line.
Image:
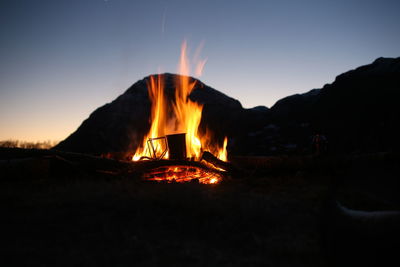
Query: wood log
[[145, 165], [210, 158]]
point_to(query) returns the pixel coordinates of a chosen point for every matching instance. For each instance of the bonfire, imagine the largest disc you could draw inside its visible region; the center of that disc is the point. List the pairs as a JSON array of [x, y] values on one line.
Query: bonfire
[[174, 140]]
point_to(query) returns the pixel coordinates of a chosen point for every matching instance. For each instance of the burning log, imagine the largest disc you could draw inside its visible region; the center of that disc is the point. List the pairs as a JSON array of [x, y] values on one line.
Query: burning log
[[216, 162], [176, 166]]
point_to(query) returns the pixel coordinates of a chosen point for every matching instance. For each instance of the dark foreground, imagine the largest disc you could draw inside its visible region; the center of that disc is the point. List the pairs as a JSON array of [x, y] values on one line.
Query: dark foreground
[[54, 216]]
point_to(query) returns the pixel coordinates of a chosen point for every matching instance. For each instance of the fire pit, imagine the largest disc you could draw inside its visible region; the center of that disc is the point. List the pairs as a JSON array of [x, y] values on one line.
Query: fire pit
[[175, 148], [183, 172], [178, 168]]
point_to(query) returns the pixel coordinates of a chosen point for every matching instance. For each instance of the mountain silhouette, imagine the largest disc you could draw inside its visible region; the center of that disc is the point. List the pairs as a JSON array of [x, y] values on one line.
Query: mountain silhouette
[[358, 112], [120, 125]]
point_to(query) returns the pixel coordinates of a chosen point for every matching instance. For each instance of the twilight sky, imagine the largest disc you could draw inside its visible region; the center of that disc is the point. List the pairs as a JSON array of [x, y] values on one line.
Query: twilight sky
[[61, 59]]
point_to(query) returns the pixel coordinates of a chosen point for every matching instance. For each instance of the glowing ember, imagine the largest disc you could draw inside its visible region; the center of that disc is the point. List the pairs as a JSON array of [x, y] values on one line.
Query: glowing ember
[[182, 173], [182, 116]]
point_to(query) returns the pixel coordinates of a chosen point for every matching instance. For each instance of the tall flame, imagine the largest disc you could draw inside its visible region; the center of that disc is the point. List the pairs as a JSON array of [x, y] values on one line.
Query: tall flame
[[158, 118], [188, 113], [186, 116]]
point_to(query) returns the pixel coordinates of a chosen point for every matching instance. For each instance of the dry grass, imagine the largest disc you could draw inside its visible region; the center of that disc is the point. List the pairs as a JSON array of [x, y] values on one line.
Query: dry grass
[[11, 143]]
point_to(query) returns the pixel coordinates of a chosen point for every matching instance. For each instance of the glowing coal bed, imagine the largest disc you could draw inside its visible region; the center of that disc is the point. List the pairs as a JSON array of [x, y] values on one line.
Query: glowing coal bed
[[182, 174]]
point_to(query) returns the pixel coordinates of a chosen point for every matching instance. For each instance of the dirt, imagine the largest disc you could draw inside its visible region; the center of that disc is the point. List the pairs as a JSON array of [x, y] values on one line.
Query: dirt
[[264, 218]]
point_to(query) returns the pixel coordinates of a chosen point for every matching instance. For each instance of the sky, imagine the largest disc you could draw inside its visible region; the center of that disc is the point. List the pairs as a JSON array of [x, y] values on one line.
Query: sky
[[61, 59]]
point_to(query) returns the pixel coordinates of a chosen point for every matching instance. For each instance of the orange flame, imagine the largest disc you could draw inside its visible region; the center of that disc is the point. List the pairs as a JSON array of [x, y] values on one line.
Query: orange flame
[[158, 119], [185, 118], [187, 112]]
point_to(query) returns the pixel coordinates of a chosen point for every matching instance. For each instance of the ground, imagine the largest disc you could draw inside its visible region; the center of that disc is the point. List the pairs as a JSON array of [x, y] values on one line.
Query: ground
[[263, 218]]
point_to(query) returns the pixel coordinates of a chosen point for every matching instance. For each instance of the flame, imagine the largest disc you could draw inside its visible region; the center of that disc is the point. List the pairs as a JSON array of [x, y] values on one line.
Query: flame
[[158, 120], [200, 67], [182, 116], [200, 62], [222, 153], [187, 112]]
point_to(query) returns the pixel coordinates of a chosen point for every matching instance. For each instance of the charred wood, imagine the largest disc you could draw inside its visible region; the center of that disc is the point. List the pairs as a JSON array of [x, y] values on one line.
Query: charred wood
[[210, 158]]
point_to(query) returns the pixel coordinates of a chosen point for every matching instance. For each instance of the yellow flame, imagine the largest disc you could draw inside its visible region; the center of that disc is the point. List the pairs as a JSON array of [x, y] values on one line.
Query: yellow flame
[[158, 119], [186, 115], [222, 153], [187, 112]]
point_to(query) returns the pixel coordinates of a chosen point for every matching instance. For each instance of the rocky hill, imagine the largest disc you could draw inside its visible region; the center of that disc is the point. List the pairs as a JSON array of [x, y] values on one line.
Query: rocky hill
[[120, 125], [358, 112]]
